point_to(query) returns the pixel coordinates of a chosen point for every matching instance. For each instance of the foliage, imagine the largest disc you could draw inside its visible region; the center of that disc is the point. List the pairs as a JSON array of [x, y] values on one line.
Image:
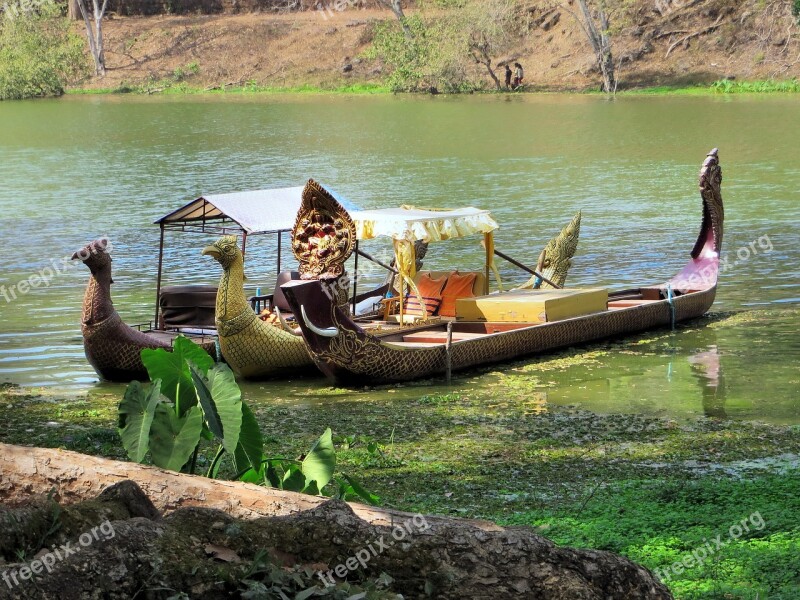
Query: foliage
[[441, 47], [796, 9], [267, 578], [658, 523], [192, 399], [38, 54], [726, 86]]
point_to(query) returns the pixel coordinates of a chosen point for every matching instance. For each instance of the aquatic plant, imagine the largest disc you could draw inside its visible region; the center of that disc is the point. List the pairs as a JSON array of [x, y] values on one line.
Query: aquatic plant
[[192, 399]]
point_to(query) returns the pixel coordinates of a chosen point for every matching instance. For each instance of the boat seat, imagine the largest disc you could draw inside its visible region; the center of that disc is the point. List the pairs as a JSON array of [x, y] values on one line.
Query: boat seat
[[439, 337], [391, 304], [414, 344], [187, 306], [617, 304], [276, 299]]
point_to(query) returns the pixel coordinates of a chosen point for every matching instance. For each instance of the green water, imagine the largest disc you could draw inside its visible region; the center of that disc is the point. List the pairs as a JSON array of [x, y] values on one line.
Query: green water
[[80, 167]]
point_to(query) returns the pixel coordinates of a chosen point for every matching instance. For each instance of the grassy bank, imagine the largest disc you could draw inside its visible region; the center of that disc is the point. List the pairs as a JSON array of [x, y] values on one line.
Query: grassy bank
[[170, 87], [654, 489]]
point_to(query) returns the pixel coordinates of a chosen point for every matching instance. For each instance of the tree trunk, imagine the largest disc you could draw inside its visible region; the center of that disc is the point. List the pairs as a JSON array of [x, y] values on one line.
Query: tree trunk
[[426, 556], [95, 36], [481, 56], [74, 10], [397, 9], [601, 43]]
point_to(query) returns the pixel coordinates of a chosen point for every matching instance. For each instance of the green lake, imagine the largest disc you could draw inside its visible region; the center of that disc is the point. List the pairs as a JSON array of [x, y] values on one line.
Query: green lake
[[77, 168]]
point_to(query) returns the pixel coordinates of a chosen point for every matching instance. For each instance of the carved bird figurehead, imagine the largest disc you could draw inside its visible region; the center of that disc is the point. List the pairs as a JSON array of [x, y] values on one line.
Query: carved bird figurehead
[[225, 251], [96, 255]]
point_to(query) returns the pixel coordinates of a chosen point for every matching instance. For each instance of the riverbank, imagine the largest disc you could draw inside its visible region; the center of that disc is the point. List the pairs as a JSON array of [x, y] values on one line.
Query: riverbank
[[722, 87], [734, 42], [659, 490]]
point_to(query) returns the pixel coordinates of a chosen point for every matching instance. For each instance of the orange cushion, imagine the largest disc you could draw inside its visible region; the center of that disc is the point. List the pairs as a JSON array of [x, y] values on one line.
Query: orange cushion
[[457, 286], [431, 292]]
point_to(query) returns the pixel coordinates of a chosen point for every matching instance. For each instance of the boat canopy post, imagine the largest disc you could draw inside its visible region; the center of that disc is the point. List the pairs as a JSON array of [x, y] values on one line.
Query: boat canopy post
[[488, 239], [244, 244], [158, 277], [279, 253], [355, 276]]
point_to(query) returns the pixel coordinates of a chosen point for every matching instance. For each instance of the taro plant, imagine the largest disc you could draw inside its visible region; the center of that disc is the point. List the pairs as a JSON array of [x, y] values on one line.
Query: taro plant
[[192, 399]]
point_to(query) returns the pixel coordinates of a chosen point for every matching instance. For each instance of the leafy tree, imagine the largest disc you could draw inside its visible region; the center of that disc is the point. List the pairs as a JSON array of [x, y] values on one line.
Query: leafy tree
[[436, 51], [38, 54]]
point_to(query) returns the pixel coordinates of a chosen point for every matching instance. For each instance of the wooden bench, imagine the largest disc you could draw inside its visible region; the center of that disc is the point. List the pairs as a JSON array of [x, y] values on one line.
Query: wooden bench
[[440, 337]]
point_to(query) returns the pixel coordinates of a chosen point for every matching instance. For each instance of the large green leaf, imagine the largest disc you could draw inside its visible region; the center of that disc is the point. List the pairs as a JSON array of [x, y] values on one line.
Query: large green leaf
[[200, 385], [293, 480], [221, 399], [320, 462], [172, 438], [172, 369], [355, 488], [135, 417], [250, 450]]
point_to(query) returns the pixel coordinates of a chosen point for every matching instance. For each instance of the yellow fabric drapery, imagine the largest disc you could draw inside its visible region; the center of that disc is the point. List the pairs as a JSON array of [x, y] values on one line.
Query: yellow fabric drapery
[[488, 244], [406, 261], [429, 225]]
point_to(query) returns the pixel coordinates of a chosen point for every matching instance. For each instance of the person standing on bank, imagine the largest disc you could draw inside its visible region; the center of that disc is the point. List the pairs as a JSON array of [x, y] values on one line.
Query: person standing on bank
[[519, 74], [508, 77]]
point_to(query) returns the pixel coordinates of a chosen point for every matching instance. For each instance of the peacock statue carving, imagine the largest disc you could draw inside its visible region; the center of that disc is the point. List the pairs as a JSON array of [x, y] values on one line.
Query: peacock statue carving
[[253, 348], [112, 347]]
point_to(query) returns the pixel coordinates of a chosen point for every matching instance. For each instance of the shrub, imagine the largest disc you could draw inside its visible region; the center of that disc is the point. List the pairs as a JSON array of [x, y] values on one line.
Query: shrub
[[38, 54]]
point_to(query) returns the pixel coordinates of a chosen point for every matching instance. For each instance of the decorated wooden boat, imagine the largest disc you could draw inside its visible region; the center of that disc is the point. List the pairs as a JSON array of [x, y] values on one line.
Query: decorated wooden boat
[[349, 354], [112, 347], [323, 238]]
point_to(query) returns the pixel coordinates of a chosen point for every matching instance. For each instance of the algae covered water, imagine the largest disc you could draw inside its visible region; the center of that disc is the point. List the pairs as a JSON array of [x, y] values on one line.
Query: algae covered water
[[80, 167]]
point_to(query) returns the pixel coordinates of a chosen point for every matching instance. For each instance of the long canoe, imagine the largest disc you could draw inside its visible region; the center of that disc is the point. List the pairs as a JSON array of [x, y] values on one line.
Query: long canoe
[[349, 354]]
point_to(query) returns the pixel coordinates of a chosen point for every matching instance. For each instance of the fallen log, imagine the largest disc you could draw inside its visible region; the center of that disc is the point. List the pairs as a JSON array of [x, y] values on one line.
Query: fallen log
[[215, 532]]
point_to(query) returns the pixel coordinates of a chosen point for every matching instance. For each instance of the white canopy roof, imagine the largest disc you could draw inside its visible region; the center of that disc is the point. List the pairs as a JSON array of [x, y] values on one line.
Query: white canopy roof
[[261, 211], [410, 223]]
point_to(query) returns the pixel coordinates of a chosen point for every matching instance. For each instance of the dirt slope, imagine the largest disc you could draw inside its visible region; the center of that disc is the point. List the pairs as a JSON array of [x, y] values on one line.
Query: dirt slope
[[748, 39]]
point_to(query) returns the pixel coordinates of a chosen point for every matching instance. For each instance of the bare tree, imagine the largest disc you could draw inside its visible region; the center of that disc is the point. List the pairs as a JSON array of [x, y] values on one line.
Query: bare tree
[[95, 35], [397, 8], [480, 48], [490, 25], [595, 24]]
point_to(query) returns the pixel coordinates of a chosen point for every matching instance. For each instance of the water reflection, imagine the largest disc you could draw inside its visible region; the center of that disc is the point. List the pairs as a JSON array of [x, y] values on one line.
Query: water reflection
[[707, 368]]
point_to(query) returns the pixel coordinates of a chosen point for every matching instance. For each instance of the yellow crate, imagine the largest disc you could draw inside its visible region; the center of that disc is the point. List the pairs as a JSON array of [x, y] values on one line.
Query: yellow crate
[[532, 306]]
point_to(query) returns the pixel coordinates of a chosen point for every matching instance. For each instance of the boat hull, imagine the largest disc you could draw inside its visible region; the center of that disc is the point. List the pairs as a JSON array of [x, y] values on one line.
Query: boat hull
[[114, 349], [353, 356]]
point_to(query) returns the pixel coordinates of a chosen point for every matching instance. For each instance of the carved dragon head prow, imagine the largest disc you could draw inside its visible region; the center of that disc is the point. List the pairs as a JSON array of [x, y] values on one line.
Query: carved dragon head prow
[[710, 238]]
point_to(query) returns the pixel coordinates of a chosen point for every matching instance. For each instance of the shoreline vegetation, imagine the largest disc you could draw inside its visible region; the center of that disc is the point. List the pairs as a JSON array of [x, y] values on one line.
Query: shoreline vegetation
[[721, 87], [436, 46], [709, 504]]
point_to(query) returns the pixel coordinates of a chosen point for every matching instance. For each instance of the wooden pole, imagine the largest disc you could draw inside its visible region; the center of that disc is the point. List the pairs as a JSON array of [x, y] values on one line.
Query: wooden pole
[[158, 277], [279, 253], [525, 268], [488, 242], [355, 278], [371, 258], [448, 347]]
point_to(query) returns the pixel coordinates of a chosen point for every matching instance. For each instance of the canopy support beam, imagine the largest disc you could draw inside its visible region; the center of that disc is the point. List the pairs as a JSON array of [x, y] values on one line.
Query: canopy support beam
[[158, 277]]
